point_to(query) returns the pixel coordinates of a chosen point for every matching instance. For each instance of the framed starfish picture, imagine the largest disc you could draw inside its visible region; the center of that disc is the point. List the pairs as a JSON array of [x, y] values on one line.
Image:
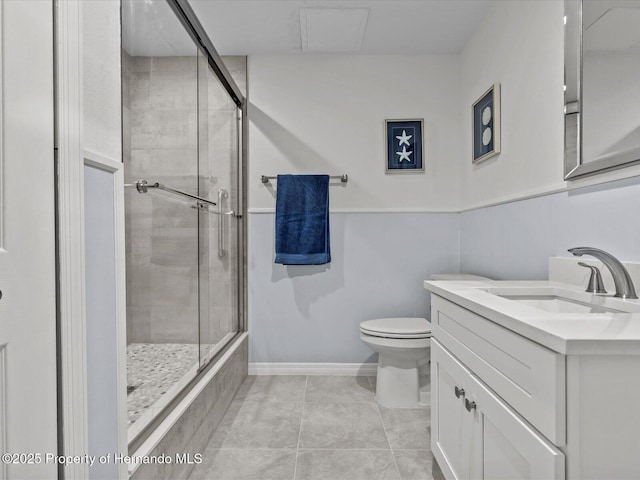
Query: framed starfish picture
[[404, 145]]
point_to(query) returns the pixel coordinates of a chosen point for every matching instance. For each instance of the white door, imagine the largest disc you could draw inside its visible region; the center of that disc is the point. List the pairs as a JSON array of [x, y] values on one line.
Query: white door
[[27, 240]]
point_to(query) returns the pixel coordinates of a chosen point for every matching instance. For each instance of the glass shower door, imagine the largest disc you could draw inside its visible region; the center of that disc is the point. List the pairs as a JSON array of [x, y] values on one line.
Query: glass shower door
[[160, 144], [184, 248], [219, 139]]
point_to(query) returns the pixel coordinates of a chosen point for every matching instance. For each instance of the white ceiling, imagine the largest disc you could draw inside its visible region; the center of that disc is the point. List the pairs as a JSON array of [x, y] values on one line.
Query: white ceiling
[[252, 27], [259, 27], [150, 28], [611, 25]]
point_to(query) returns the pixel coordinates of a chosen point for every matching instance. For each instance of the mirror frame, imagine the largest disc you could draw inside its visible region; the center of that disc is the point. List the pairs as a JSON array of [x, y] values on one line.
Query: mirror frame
[[574, 165]]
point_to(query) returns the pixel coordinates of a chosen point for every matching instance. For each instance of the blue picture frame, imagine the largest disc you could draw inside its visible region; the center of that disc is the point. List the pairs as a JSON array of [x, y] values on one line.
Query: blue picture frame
[[404, 145], [486, 125]]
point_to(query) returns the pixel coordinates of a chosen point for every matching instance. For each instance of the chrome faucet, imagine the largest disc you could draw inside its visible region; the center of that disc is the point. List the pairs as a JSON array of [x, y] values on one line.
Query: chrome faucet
[[621, 277]]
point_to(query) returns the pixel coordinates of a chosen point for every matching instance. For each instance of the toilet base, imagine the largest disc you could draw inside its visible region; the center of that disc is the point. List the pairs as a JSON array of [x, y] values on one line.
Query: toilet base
[[399, 382]]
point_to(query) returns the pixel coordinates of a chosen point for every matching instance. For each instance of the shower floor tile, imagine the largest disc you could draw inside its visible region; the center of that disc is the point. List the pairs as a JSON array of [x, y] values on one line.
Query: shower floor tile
[[152, 370], [341, 433]]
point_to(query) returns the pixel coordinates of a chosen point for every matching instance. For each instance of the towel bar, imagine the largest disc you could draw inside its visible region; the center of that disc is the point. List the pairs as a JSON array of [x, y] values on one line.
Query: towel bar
[[266, 178]]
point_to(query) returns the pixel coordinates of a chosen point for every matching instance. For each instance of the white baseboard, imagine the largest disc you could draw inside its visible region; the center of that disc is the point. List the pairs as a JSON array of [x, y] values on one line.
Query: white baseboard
[[344, 369]]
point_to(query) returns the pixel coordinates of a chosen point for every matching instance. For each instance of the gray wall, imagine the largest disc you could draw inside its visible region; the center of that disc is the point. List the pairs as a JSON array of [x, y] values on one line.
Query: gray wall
[[160, 100], [379, 261], [311, 314], [514, 240], [100, 282]]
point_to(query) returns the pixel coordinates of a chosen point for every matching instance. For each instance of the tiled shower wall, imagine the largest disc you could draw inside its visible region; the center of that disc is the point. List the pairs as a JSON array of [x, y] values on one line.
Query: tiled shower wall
[[162, 142], [160, 137]]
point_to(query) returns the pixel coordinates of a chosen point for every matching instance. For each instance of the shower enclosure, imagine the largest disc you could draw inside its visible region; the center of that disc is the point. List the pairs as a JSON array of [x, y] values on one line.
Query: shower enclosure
[[182, 135]]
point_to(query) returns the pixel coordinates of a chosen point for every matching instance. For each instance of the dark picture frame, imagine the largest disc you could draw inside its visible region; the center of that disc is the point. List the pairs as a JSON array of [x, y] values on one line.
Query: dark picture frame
[[486, 125], [404, 145]]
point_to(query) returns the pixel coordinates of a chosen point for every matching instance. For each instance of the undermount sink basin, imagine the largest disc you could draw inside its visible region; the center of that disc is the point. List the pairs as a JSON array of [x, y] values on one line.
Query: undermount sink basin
[[565, 300], [556, 304]]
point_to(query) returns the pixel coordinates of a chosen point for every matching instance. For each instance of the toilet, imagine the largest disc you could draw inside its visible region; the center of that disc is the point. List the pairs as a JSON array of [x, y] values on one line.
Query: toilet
[[403, 347]]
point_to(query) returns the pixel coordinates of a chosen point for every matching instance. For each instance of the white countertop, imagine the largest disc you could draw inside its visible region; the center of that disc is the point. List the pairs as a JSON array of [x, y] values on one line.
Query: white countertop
[[566, 333]]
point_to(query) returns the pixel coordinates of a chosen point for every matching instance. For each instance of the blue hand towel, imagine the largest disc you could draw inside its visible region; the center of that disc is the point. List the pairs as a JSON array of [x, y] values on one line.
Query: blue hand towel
[[302, 220]]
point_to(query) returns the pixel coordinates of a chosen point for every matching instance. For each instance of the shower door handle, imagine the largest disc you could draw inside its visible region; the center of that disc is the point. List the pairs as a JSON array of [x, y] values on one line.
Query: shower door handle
[[222, 195]]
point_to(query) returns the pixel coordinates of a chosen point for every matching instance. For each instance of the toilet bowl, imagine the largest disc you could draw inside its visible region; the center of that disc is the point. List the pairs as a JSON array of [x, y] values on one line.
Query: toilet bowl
[[403, 346]]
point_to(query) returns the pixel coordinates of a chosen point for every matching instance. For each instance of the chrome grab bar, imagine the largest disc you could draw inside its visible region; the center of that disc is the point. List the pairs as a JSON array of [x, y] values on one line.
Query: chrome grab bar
[[230, 213], [143, 186], [222, 194]]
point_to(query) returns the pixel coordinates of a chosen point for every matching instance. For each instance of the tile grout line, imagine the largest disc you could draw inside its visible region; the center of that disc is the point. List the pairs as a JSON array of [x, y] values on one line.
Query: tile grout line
[[304, 398], [384, 429]]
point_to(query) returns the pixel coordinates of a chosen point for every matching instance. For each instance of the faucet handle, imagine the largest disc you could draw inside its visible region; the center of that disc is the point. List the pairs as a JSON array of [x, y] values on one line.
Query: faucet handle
[[596, 284]]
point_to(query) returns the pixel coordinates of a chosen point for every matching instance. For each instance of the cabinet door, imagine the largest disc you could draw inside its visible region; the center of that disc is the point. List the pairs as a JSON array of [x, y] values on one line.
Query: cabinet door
[[450, 423], [478, 436], [511, 448]]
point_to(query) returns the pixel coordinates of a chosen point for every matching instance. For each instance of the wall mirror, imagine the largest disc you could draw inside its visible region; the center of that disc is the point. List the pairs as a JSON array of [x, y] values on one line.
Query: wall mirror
[[602, 85]]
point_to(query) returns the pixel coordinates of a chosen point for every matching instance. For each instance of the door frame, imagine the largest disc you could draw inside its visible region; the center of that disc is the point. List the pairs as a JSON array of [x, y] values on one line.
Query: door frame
[[72, 363], [71, 158]]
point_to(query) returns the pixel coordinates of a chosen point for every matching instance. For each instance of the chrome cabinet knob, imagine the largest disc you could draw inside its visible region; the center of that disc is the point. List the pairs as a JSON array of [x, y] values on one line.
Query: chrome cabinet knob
[[459, 392], [469, 405]]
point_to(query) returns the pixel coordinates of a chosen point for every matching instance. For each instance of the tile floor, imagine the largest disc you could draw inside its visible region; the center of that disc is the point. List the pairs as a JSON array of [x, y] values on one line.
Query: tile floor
[[317, 427]]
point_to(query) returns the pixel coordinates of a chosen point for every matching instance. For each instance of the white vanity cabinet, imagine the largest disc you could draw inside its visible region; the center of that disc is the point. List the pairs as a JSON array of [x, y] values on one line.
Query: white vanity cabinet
[[504, 406], [475, 435]]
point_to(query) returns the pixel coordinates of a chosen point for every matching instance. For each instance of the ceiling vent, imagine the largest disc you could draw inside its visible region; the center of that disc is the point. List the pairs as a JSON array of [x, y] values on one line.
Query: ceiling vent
[[330, 30]]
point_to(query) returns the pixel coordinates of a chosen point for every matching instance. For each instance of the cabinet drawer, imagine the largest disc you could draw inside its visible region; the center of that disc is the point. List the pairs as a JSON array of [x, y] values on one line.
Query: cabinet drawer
[[528, 376]]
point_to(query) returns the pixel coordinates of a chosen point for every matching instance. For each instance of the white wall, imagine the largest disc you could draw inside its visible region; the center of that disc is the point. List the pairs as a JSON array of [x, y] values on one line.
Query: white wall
[[101, 95], [325, 114], [519, 45]]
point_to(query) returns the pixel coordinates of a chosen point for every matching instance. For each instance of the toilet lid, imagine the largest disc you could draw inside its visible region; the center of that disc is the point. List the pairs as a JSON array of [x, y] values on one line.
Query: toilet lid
[[397, 327]]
